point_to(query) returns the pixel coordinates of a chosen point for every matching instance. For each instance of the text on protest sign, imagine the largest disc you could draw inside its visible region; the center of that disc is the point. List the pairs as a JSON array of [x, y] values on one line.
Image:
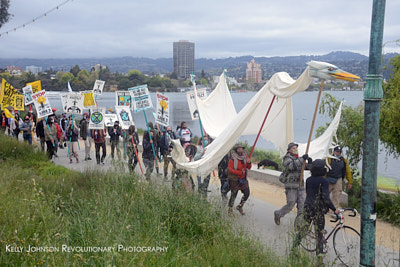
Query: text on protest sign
[[123, 98], [98, 87], [36, 86], [202, 94], [109, 119], [96, 121], [162, 113], [19, 102], [74, 103], [7, 94], [42, 104], [140, 98], [124, 117], [27, 90]]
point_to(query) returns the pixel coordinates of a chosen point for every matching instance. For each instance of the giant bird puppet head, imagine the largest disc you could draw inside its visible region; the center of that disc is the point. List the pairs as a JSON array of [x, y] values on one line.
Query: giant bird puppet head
[[325, 70]]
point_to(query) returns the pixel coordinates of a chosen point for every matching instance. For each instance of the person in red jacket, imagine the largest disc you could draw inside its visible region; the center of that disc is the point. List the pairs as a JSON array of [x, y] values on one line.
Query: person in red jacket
[[237, 174]]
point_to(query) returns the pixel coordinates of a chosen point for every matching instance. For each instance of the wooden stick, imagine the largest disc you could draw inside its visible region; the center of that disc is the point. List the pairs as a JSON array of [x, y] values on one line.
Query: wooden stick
[[311, 131]]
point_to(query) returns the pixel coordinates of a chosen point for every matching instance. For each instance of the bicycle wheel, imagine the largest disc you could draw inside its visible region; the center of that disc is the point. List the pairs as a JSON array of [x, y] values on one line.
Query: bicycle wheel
[[346, 242], [306, 232]]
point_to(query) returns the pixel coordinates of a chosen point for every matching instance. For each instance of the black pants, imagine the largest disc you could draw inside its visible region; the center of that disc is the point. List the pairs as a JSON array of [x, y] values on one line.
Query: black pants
[[50, 149], [103, 156], [234, 192], [224, 189], [318, 218]]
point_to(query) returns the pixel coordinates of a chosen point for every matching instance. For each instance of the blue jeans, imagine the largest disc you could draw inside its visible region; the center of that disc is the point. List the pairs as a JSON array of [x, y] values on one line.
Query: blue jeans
[[28, 137]]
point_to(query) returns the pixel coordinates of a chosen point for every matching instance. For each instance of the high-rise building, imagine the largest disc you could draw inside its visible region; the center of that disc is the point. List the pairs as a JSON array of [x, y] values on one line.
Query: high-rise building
[[183, 59], [253, 72], [33, 69]]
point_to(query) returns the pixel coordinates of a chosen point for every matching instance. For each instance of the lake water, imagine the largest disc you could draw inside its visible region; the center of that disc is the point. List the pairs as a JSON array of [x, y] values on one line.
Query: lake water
[[303, 109]]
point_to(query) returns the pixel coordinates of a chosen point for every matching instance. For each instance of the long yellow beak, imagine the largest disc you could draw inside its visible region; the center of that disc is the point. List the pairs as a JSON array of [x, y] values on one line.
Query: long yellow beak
[[344, 75]]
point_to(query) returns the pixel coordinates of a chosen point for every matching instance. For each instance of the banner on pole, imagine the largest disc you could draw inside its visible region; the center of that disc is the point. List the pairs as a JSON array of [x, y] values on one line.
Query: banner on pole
[[98, 87], [96, 121], [42, 104], [19, 102], [36, 86], [162, 112], [202, 94], [7, 94], [88, 99], [74, 103], [140, 98], [27, 90], [124, 117], [123, 98], [109, 119]]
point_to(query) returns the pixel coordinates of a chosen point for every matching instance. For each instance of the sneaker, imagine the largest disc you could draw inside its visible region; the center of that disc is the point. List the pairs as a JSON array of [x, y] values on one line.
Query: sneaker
[[102, 162], [240, 209], [89, 158], [277, 219]]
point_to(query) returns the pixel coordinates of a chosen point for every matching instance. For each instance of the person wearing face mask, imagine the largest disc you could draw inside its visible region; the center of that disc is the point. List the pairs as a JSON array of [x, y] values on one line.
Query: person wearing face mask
[[63, 124], [72, 135], [86, 135], [115, 133], [26, 129], [148, 154], [292, 165], [184, 134], [50, 135], [166, 149]]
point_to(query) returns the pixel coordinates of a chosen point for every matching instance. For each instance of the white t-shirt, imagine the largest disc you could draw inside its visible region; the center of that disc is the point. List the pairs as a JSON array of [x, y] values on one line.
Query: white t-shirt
[[185, 134]]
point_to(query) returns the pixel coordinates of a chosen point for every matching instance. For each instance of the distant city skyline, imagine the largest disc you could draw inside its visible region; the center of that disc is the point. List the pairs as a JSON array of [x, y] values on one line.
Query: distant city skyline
[[220, 29]]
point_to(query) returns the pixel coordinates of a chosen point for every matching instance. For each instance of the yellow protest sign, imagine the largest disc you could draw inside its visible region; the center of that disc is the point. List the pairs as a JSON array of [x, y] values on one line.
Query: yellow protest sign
[[88, 99], [8, 94], [19, 102], [36, 86]]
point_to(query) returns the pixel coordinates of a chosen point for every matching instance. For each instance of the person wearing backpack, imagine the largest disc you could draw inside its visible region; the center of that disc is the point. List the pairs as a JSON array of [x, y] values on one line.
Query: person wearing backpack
[[292, 165]]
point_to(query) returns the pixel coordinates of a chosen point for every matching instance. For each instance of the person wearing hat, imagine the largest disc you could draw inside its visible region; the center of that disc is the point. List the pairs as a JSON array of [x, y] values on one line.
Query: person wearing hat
[[86, 135], [338, 170], [292, 165], [237, 175], [316, 205]]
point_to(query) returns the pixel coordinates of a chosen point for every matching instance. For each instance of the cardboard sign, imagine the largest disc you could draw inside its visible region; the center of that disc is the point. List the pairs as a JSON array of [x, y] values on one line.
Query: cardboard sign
[[123, 98], [74, 103], [98, 87], [88, 99], [202, 94], [27, 90], [162, 112], [124, 117], [7, 94], [19, 102], [64, 101], [96, 121], [109, 119], [36, 86], [42, 104], [140, 98]]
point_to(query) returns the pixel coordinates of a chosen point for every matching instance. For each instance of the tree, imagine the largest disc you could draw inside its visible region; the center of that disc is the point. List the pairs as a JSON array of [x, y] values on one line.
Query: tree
[[4, 15], [351, 127], [389, 130], [75, 70]]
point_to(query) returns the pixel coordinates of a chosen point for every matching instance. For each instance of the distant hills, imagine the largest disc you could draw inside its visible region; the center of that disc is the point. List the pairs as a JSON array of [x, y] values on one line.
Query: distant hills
[[294, 65]]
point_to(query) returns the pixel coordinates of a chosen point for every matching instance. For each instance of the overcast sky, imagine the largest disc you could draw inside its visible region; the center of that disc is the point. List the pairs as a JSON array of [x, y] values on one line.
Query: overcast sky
[[219, 28]]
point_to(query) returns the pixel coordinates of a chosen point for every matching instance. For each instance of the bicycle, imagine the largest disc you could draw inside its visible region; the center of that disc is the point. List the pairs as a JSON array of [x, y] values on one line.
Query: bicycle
[[346, 240]]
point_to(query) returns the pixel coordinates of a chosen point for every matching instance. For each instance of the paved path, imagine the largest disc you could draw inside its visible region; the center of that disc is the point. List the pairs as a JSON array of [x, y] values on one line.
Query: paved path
[[258, 221]]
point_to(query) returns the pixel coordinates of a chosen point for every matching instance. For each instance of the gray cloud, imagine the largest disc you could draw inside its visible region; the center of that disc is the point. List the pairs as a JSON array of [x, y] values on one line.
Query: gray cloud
[[102, 28]]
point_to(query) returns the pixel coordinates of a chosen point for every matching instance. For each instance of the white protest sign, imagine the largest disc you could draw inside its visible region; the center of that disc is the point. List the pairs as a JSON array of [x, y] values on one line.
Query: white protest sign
[[162, 112], [202, 94], [140, 98], [124, 117], [98, 87], [96, 121], [42, 104], [64, 101], [27, 90], [109, 119], [123, 98], [74, 103]]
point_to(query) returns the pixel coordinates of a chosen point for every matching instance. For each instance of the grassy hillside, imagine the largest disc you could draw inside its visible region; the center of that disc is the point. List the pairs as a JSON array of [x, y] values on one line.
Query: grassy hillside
[[48, 207]]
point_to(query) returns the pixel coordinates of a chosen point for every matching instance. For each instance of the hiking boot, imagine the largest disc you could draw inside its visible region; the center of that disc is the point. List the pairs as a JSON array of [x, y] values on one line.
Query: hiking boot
[[277, 219], [240, 209], [89, 158]]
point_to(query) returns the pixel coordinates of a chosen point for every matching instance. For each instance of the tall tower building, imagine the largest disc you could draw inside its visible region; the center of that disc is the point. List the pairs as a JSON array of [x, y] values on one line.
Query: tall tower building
[[253, 72], [183, 59]]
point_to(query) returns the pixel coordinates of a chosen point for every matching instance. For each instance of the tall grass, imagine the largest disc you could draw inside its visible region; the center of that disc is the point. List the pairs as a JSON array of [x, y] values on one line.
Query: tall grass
[[44, 205]]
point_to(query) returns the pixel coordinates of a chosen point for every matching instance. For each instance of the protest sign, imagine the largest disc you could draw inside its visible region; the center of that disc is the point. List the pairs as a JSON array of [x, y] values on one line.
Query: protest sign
[[123, 98], [109, 119], [88, 99], [74, 103], [202, 94], [42, 104], [27, 90], [96, 118], [64, 101], [7, 94], [19, 102], [98, 87], [124, 116], [162, 112], [140, 98], [36, 86]]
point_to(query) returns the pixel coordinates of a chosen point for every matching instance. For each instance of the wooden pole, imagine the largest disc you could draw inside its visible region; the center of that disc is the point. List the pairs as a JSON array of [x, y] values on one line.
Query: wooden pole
[[311, 130], [137, 155]]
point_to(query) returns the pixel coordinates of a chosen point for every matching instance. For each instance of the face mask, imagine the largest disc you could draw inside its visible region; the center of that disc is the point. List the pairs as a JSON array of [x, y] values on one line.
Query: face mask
[[84, 117], [64, 116], [52, 121], [205, 142]]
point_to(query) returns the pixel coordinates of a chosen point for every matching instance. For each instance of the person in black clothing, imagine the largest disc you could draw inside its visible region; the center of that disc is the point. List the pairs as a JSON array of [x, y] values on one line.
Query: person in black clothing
[[115, 133], [148, 154], [166, 149], [40, 132], [132, 143], [316, 205], [223, 176]]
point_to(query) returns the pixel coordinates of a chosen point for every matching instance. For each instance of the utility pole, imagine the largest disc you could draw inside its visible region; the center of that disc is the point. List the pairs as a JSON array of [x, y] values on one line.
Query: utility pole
[[372, 97]]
